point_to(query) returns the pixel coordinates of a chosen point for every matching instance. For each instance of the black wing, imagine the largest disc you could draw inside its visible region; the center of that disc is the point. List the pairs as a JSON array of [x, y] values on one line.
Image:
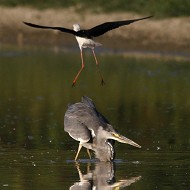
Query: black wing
[[107, 26], [50, 27]]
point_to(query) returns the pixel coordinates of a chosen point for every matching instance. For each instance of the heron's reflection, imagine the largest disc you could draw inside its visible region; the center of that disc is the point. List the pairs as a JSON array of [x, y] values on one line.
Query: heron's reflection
[[102, 177]]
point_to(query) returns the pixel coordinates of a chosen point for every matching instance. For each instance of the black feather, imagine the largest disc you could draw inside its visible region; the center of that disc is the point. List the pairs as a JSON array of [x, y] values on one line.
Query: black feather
[[51, 27], [93, 32], [107, 26]]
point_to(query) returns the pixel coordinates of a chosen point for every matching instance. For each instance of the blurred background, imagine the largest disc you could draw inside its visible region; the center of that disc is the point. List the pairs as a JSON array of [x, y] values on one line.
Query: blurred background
[[146, 97], [167, 31]]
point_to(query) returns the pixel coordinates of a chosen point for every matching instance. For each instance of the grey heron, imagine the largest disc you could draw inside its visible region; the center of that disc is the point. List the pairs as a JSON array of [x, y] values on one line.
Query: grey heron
[[85, 124]]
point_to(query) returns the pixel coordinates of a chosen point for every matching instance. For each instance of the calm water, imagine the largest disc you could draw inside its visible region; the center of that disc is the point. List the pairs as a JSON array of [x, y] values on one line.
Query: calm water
[[146, 100]]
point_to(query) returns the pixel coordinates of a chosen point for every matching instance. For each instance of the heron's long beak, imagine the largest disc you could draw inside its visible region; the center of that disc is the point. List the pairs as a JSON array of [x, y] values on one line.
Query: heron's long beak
[[122, 139]]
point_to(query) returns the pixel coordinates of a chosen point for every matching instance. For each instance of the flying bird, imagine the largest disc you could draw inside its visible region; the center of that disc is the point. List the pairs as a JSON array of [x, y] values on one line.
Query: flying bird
[[85, 37]]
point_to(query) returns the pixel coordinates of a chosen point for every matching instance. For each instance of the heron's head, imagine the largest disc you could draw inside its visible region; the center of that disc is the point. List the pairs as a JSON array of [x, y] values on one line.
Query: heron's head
[[76, 27], [104, 142], [110, 133]]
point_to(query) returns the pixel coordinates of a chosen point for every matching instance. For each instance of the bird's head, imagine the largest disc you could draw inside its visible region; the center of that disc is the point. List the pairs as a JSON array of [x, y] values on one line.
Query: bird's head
[[110, 133], [120, 138], [76, 27]]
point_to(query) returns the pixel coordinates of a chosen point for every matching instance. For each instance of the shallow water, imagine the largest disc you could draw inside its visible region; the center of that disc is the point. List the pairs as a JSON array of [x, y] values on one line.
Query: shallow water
[[147, 100]]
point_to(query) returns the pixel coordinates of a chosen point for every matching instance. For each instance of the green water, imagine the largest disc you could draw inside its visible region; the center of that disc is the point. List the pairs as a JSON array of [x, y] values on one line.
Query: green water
[[146, 100]]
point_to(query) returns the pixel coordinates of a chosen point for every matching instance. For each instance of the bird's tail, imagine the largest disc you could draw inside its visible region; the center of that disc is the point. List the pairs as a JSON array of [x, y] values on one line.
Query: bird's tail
[[98, 44]]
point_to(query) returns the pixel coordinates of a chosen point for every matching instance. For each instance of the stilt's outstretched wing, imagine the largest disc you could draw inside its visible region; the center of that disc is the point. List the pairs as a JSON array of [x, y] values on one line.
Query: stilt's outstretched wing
[[107, 26], [93, 32], [51, 27]]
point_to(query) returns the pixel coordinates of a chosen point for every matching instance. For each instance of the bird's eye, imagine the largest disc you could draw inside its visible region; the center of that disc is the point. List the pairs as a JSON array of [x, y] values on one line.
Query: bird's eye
[[116, 135]]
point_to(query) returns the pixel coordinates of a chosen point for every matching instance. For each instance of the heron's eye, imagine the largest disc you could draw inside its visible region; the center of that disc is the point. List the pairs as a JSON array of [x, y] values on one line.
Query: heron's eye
[[115, 134]]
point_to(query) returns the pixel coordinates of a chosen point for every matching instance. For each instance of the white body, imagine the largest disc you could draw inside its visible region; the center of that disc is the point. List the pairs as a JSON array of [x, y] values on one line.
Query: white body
[[85, 42]]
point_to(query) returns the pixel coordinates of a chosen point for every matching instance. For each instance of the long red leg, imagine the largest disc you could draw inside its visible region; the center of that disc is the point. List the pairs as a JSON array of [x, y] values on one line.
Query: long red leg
[[97, 64], [82, 67]]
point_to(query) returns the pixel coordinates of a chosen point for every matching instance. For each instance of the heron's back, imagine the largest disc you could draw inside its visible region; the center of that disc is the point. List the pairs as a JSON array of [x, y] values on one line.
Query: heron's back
[[83, 114]]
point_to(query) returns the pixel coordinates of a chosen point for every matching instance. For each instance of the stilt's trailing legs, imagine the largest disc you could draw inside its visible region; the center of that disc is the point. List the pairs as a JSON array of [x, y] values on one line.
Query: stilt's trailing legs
[[97, 64], [82, 67]]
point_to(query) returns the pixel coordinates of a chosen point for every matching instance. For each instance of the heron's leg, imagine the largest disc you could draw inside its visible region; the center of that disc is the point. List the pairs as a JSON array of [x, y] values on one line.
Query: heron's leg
[[97, 64], [82, 67], [79, 172], [88, 151], [79, 148]]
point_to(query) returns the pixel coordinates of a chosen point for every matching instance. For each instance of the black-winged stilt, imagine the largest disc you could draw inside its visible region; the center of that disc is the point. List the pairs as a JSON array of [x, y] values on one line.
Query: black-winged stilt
[[85, 37]]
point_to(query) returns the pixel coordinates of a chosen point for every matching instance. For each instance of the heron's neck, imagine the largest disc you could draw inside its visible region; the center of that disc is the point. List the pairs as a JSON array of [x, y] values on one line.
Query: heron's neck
[[104, 150]]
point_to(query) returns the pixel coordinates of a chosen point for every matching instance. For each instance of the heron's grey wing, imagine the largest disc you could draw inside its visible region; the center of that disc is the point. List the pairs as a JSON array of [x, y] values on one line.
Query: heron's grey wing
[[86, 100], [51, 27], [107, 26], [76, 129], [103, 118]]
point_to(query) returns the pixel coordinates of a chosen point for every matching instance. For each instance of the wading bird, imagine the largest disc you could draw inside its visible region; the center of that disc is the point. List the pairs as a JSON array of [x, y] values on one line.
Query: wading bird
[[85, 37], [85, 124]]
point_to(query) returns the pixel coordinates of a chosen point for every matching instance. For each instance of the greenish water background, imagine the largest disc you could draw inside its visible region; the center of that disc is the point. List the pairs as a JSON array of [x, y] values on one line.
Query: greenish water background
[[146, 100]]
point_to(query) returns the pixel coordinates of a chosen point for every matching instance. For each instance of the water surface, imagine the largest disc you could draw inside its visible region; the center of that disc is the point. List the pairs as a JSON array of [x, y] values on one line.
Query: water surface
[[147, 100]]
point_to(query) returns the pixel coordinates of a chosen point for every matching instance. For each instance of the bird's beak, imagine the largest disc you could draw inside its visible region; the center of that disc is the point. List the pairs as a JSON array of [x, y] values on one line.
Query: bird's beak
[[122, 139]]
